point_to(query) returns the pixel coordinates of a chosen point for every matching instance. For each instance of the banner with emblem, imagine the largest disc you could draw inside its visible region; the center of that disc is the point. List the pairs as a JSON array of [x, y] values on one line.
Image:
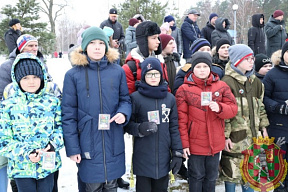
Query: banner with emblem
[[263, 167]]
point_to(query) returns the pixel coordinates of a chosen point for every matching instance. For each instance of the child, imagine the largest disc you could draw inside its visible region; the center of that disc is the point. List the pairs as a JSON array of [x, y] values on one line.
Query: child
[[263, 64], [251, 117], [203, 102], [95, 107], [154, 125], [30, 126]]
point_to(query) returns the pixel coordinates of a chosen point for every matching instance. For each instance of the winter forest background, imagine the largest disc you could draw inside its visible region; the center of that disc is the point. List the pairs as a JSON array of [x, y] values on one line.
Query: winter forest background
[[56, 30]]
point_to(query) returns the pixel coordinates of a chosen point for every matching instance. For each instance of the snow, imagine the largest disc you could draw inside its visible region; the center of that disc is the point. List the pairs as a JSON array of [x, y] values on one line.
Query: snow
[[67, 181]]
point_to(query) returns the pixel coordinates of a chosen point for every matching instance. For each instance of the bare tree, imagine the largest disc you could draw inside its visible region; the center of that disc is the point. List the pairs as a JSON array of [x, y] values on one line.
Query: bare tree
[[48, 9]]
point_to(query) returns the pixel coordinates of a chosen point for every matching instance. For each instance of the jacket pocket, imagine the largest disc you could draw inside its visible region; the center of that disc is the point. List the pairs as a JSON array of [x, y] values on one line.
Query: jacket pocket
[[85, 127], [193, 130]]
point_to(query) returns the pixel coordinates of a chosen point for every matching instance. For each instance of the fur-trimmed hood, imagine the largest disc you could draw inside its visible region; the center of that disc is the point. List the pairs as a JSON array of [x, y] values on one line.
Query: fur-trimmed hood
[[276, 57], [78, 58]]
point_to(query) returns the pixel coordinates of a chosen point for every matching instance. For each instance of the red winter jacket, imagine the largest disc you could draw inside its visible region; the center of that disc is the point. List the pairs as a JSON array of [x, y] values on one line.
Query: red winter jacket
[[202, 130], [129, 75]]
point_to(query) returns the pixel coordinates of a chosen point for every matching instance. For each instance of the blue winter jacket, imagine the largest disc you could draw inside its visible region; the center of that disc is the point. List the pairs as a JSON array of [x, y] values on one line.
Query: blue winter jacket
[[93, 88]]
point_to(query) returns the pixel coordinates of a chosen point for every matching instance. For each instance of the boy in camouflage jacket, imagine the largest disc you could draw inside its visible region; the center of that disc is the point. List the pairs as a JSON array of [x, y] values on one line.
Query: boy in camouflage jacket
[[251, 118]]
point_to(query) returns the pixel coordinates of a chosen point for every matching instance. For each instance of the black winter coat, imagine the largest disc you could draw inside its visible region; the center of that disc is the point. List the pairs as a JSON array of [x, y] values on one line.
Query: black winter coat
[[11, 37], [221, 32], [152, 153], [117, 27], [256, 35], [207, 31]]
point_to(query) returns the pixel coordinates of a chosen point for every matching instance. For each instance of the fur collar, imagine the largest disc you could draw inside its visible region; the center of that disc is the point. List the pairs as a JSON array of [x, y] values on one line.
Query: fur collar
[[78, 58]]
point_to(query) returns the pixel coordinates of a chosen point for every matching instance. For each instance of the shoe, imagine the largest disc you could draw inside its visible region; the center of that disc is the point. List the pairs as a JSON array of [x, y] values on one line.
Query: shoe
[[183, 172], [122, 184]]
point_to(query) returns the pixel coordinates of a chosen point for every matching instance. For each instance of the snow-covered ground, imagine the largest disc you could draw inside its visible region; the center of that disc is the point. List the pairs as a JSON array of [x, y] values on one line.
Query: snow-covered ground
[[67, 179]]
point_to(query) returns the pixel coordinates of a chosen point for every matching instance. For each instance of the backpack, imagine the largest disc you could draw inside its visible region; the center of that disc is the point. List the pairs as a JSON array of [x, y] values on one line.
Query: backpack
[[132, 66]]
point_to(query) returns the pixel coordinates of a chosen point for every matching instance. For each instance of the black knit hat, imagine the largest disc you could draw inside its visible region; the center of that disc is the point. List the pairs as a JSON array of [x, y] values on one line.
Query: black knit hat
[[261, 60], [201, 57], [198, 43], [284, 49], [151, 63], [221, 42], [143, 30], [27, 67], [13, 22]]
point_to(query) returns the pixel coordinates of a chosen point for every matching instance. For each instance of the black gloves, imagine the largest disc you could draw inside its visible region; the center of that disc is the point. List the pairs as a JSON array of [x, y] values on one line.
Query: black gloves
[[52, 148], [282, 109], [146, 128], [175, 164]]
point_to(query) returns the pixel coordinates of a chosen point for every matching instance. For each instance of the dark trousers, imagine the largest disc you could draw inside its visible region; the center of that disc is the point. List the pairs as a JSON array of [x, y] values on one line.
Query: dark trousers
[[110, 186], [32, 185], [147, 184], [203, 172]]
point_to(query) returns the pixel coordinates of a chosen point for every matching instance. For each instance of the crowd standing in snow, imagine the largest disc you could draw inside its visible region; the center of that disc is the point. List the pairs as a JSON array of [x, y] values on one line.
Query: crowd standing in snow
[[205, 112]]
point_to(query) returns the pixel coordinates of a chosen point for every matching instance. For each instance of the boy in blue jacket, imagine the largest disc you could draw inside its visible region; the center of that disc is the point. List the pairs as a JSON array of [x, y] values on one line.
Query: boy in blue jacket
[[154, 125]]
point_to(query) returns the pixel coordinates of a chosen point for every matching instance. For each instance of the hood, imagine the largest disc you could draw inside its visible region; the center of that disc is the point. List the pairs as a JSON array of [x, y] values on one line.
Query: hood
[[78, 58], [256, 20], [273, 20], [276, 57], [218, 24], [240, 78], [28, 56]]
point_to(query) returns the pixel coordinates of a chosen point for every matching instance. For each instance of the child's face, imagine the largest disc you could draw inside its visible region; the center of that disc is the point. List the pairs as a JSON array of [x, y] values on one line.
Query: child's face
[[223, 51], [30, 83], [206, 49], [247, 64], [96, 50], [264, 70], [201, 70], [153, 77], [153, 43]]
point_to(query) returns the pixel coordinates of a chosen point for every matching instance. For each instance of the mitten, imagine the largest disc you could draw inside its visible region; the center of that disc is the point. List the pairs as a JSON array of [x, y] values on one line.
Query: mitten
[[146, 128], [175, 164], [282, 109]]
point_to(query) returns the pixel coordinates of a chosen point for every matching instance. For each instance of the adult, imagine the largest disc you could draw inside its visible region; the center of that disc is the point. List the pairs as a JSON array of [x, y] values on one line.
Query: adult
[[263, 65], [275, 100], [209, 28], [139, 17], [221, 31], [130, 37], [275, 32], [256, 35], [190, 32], [176, 33], [12, 34], [118, 36]]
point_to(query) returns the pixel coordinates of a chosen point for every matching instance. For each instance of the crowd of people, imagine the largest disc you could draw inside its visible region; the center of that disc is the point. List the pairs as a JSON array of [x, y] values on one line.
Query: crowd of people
[[206, 111]]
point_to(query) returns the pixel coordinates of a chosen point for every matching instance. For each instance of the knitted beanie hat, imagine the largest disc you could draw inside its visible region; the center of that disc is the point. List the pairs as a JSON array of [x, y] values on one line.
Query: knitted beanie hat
[[143, 30], [164, 38], [284, 49], [201, 57], [198, 43], [278, 13], [221, 42], [238, 53], [108, 31], [150, 63], [260, 60], [212, 15], [93, 33], [23, 40], [169, 18], [13, 22], [27, 67], [133, 21]]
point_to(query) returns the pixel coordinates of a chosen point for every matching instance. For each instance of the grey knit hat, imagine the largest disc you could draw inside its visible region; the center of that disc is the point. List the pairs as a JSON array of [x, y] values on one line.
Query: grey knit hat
[[238, 52], [27, 67], [201, 57]]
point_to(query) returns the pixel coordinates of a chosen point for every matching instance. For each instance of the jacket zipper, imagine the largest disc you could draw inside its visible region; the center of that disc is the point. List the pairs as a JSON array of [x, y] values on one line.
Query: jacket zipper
[[102, 132], [157, 139]]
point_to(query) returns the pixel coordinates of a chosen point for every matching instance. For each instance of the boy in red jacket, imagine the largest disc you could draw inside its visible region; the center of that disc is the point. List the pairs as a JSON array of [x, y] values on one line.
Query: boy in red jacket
[[203, 102]]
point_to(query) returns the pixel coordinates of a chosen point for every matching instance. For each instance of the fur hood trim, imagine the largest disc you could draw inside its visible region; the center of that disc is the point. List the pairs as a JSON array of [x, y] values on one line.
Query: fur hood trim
[[78, 58], [276, 57]]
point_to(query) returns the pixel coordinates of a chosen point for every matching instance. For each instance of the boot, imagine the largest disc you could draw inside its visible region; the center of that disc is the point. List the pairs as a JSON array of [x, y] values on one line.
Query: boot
[[122, 184]]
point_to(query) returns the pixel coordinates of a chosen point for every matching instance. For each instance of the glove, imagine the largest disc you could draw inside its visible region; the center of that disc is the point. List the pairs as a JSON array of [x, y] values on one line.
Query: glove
[[175, 164], [52, 148], [282, 109], [146, 128]]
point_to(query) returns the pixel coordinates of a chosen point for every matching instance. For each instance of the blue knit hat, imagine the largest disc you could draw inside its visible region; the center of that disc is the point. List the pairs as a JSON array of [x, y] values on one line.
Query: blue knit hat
[[26, 67], [151, 63], [198, 43], [169, 18], [212, 15], [93, 33]]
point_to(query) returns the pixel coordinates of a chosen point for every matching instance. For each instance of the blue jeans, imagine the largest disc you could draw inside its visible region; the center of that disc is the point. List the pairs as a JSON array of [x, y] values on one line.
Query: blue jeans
[[3, 179], [32, 185], [230, 187], [203, 172]]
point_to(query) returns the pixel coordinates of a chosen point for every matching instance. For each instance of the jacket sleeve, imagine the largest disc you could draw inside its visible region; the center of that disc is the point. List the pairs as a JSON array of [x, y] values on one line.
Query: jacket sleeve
[[182, 107], [129, 40], [70, 116], [5, 78], [176, 144], [179, 80], [271, 31], [179, 41], [132, 126], [129, 78], [228, 105], [251, 38], [188, 33], [124, 99], [270, 104]]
